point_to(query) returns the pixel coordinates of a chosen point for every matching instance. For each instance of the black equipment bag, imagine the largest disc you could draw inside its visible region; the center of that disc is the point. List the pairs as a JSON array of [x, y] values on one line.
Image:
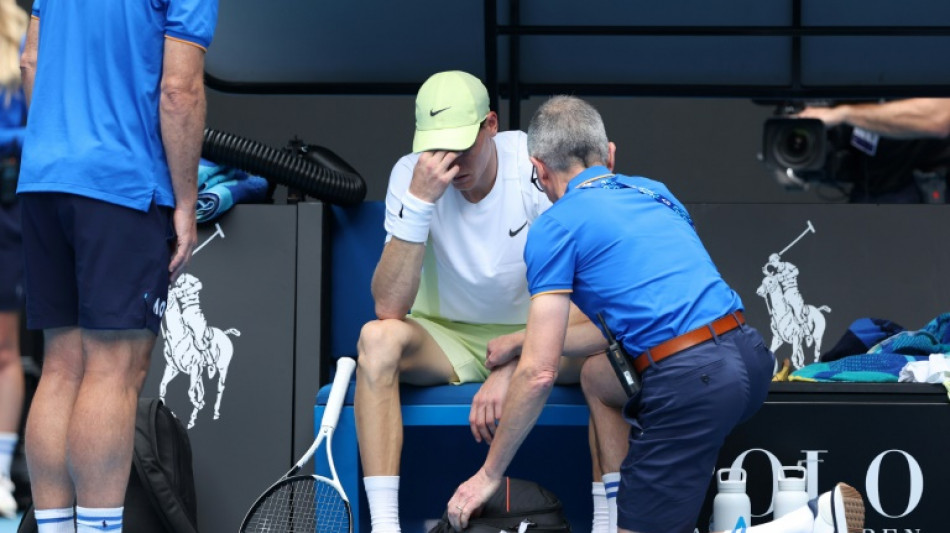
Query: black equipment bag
[[161, 495], [515, 502]]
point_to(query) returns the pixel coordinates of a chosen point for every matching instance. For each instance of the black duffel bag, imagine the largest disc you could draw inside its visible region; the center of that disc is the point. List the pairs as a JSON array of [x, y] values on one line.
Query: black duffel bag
[[517, 506]]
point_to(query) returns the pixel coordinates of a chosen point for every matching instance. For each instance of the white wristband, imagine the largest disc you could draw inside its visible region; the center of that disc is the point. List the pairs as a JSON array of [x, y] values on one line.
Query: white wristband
[[412, 222]]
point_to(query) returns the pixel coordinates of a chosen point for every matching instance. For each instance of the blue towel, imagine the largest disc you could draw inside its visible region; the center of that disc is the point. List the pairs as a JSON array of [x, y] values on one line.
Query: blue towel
[[884, 361], [220, 187], [861, 335], [863, 368], [211, 174], [932, 338]]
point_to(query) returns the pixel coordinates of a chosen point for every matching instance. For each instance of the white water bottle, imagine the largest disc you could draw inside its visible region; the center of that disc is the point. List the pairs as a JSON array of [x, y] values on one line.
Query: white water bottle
[[731, 504], [791, 493]]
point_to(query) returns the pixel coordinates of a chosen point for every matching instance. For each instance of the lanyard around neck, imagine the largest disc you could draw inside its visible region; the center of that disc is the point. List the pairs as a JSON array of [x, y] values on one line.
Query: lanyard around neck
[[611, 181]]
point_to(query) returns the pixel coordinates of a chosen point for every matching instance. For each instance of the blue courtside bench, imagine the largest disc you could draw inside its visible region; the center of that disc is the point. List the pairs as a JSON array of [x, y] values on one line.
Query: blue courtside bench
[[439, 451]]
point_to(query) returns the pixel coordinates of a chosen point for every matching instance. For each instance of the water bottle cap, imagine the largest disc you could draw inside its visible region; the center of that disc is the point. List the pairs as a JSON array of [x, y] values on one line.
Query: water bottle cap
[[796, 481], [735, 484], [731, 475]]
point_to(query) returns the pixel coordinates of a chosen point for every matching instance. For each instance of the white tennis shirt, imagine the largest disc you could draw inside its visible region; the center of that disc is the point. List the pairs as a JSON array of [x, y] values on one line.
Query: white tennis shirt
[[474, 268]]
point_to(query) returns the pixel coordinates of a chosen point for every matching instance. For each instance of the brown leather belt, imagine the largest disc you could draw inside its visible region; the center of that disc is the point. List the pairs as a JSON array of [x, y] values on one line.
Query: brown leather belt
[[688, 340]]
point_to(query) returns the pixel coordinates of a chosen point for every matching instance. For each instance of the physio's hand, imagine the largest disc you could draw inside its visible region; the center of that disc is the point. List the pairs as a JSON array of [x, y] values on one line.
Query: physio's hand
[[433, 174], [487, 403], [831, 116], [186, 229], [469, 499], [503, 349]]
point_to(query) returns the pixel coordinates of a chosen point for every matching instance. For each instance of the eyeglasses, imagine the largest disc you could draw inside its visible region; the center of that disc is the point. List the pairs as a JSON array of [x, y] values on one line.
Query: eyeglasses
[[534, 179]]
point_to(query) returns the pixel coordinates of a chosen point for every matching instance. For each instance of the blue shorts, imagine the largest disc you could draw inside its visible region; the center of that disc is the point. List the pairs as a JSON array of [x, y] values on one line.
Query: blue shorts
[[11, 258], [688, 405], [94, 264]]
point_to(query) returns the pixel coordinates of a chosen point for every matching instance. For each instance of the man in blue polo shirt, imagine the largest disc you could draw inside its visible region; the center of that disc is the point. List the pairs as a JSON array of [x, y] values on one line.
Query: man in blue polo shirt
[[107, 190], [624, 248]]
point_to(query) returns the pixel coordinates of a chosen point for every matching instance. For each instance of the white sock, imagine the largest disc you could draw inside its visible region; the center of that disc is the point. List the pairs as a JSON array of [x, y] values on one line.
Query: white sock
[[55, 520], [601, 523], [798, 521], [89, 520], [7, 445], [611, 485], [382, 493]]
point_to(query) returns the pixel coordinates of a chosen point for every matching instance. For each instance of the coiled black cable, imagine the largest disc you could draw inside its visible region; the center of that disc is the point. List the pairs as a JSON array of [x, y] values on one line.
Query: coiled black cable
[[316, 171]]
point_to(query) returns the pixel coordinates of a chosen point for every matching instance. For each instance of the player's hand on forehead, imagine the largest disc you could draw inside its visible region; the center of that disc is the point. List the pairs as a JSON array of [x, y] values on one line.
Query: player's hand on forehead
[[433, 174]]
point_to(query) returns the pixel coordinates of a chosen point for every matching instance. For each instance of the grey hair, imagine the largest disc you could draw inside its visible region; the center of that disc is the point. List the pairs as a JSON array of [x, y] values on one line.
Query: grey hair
[[566, 130]]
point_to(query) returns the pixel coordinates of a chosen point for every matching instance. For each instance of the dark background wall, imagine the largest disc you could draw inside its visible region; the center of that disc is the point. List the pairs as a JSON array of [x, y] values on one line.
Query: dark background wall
[[703, 148], [343, 74]]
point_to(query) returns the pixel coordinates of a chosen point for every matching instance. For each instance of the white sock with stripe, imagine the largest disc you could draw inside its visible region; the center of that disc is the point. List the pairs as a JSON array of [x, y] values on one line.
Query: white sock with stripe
[[91, 520], [611, 484], [601, 522], [382, 494], [55, 520]]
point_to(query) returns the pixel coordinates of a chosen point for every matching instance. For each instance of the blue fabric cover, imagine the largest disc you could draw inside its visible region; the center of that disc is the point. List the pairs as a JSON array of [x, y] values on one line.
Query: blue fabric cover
[[884, 361], [861, 335], [454, 395], [220, 187]]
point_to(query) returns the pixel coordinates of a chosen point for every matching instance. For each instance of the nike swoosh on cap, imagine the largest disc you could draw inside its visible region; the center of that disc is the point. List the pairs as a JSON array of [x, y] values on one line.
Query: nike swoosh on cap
[[513, 232], [434, 112]]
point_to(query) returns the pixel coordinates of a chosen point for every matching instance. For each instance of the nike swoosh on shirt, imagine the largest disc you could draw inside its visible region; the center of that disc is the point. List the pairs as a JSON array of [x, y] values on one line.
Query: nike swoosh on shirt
[[513, 232], [400, 211]]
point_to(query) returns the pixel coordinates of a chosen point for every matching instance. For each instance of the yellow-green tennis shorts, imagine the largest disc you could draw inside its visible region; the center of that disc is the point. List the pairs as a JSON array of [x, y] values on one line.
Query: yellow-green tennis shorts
[[464, 344]]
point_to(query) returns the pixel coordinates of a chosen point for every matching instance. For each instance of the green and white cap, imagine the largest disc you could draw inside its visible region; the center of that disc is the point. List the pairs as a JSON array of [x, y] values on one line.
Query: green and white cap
[[450, 107]]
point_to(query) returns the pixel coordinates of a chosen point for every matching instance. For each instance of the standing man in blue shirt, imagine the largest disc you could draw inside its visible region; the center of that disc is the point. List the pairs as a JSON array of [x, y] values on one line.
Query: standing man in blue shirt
[[623, 247], [107, 190]]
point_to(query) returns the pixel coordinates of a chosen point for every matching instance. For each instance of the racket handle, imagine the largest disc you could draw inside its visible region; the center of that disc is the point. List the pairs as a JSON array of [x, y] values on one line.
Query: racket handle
[[344, 371]]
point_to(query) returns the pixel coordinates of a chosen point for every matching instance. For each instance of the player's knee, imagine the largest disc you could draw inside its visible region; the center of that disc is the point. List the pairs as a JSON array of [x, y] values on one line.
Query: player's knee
[[569, 370], [380, 345], [592, 376]]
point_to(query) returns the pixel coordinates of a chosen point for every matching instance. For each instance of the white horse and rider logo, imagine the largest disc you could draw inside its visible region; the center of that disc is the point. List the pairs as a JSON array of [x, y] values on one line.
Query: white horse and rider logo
[[191, 346], [792, 320]]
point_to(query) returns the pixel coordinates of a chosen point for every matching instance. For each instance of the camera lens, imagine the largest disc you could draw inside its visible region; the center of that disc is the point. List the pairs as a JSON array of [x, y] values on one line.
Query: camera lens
[[797, 144], [795, 147]]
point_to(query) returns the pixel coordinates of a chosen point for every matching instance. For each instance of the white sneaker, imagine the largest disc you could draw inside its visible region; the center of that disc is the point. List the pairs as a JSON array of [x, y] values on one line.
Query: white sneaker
[[840, 510], [8, 507]]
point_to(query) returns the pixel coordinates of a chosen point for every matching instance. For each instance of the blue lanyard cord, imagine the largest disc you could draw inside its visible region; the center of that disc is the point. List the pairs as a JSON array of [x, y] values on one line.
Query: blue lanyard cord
[[609, 181]]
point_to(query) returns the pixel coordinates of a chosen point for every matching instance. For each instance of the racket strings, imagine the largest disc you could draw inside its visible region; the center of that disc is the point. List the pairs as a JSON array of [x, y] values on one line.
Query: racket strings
[[302, 504]]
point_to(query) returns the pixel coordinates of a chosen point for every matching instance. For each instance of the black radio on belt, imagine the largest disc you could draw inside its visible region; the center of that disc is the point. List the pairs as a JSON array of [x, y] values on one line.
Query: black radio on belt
[[620, 361]]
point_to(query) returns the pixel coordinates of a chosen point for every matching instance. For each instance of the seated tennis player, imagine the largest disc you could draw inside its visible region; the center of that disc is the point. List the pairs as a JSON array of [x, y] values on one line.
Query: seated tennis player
[[450, 286]]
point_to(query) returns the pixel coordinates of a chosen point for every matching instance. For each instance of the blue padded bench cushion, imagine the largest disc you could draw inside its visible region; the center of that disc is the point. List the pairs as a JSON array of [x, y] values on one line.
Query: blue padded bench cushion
[[449, 405], [455, 395]]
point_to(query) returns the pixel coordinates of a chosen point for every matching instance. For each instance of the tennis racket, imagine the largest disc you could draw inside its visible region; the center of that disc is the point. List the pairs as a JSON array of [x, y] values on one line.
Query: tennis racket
[[308, 503]]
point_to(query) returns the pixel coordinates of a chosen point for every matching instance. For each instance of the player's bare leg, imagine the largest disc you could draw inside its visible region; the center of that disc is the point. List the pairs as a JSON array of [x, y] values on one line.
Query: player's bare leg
[[390, 351]]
